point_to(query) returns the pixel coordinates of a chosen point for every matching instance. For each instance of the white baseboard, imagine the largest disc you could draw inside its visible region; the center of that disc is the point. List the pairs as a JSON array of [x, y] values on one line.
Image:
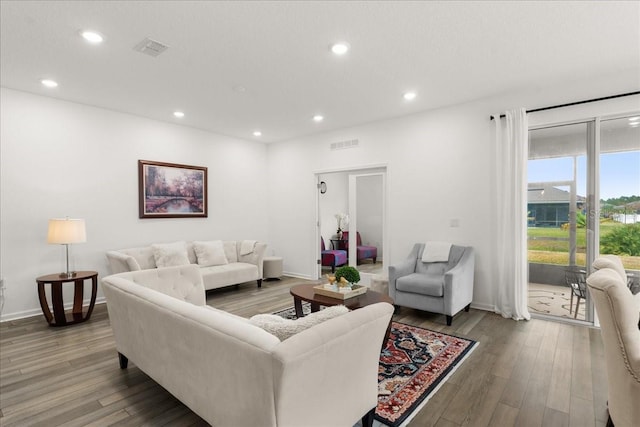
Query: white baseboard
[[38, 312], [298, 276]]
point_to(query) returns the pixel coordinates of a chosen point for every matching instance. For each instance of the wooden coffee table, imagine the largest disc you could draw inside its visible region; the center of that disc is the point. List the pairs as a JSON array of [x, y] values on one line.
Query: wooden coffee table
[[305, 292]]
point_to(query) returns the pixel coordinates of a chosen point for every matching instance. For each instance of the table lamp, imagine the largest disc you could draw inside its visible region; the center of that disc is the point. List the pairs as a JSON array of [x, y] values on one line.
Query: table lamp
[[65, 232]]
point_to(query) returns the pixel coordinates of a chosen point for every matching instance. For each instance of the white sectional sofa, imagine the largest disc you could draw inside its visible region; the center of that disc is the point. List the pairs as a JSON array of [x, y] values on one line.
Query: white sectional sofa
[[222, 263], [233, 373]]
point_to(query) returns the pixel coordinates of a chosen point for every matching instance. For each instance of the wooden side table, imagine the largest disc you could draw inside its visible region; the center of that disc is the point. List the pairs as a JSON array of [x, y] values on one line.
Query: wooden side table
[[59, 317]]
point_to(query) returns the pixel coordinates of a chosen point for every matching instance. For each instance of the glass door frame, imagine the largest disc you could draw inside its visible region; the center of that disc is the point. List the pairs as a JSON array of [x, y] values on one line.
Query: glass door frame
[[592, 204]]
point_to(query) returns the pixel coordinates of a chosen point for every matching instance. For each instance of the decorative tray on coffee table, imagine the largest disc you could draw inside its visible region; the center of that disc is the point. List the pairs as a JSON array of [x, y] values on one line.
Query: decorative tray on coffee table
[[343, 293]]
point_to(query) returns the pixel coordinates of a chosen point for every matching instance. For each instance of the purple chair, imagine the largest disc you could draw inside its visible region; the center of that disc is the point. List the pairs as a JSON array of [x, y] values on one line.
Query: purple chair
[[332, 258], [363, 252]]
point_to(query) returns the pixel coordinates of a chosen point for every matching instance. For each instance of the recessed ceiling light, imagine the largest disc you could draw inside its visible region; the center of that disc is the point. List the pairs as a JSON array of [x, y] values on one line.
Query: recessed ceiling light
[[409, 96], [257, 133], [178, 114], [92, 36], [318, 118], [340, 48], [49, 83]]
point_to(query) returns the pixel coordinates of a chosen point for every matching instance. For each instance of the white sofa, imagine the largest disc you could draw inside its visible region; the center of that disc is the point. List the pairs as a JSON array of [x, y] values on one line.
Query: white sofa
[[239, 268], [233, 373]]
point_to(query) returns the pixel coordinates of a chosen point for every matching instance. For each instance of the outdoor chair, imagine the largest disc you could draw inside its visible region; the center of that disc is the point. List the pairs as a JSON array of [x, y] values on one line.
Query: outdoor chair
[[576, 280], [443, 286]]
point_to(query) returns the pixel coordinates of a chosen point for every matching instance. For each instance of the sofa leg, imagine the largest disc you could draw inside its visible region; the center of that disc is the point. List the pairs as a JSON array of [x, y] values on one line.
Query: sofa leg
[[467, 308], [367, 419], [374, 260], [396, 309], [333, 269], [449, 319], [259, 283], [124, 362]]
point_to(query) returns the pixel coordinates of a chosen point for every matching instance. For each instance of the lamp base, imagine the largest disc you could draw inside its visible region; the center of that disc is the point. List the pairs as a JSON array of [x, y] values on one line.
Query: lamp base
[[68, 275]]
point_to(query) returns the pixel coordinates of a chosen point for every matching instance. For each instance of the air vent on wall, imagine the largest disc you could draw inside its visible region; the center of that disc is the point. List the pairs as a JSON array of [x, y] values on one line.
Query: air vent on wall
[[352, 143], [150, 47]]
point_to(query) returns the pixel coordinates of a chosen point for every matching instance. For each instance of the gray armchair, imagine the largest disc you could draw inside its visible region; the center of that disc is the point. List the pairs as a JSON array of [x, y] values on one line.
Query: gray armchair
[[438, 287]]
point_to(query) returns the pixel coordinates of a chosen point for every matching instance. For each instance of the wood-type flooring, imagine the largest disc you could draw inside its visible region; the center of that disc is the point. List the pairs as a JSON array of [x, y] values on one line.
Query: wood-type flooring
[[535, 373]]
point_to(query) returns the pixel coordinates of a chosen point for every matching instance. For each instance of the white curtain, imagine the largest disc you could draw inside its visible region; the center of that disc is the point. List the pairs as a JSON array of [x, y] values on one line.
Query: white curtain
[[511, 152]]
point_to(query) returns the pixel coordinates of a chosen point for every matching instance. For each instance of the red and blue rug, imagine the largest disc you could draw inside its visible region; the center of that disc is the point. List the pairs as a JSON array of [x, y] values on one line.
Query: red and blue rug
[[413, 365]]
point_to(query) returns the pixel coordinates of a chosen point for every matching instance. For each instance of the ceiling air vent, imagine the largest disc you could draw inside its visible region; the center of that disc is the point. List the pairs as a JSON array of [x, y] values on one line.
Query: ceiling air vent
[[352, 143], [150, 47]]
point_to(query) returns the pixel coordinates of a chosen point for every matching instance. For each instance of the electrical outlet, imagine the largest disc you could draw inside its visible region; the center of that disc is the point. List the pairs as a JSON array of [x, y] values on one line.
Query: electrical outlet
[[454, 223]]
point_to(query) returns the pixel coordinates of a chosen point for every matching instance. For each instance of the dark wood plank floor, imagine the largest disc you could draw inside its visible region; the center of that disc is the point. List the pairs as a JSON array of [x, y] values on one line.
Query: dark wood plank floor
[[535, 373]]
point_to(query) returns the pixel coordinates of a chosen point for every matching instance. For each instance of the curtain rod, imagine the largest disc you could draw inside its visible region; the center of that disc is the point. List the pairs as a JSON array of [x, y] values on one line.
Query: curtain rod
[[576, 103]]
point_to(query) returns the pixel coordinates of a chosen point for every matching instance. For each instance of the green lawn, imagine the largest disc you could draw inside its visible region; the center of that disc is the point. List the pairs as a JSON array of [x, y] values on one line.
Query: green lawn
[[551, 245]]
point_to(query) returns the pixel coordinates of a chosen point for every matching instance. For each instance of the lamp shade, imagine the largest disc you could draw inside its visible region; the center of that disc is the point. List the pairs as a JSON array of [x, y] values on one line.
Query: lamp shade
[[66, 231]]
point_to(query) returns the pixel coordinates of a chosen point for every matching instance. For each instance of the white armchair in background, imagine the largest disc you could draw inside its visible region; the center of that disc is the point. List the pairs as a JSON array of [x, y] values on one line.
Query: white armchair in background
[[618, 316]]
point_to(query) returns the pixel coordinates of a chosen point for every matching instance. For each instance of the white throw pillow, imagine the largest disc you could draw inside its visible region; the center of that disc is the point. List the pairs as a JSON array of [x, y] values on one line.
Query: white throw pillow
[[285, 328], [210, 253], [170, 254]]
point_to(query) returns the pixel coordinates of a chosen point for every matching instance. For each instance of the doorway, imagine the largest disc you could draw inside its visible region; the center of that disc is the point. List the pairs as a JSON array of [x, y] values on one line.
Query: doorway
[[353, 201]]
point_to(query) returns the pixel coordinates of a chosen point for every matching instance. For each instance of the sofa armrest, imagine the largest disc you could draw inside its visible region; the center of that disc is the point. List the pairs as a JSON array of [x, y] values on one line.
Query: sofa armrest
[[317, 368], [255, 257], [121, 263]]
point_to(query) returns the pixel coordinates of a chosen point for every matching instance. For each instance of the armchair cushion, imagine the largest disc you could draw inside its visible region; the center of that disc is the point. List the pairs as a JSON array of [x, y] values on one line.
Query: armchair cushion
[[422, 283]]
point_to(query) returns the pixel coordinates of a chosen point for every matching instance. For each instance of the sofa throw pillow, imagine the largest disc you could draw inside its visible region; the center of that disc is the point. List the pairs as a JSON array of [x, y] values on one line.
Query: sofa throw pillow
[[285, 328], [170, 254], [210, 253]]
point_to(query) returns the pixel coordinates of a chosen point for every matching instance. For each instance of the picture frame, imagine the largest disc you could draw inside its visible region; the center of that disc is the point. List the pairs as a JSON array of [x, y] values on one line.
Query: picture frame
[[171, 190]]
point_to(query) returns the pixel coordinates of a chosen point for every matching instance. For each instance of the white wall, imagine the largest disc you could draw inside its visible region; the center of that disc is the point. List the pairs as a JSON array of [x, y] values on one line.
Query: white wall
[[60, 158], [65, 159], [440, 167]]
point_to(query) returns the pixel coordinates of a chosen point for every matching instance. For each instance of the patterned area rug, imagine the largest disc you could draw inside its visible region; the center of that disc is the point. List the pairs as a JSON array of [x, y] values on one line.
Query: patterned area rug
[[412, 366]]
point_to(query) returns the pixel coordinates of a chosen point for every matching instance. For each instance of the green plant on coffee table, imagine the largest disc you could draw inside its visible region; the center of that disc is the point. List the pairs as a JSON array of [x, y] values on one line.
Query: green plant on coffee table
[[350, 274]]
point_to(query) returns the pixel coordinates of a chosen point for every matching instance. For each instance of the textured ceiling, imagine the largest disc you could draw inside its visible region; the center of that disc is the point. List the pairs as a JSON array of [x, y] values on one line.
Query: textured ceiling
[[448, 52]]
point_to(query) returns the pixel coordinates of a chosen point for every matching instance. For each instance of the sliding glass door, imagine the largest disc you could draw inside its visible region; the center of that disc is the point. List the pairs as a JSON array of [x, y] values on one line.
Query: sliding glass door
[[619, 172], [557, 227], [583, 200]]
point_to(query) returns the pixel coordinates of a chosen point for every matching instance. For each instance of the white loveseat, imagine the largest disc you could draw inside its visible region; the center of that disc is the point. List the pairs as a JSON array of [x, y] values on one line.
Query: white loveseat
[[236, 266], [233, 373]]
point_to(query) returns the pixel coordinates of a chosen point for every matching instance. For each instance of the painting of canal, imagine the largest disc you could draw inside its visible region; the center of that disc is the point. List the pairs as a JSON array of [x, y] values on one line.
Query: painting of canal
[[169, 190]]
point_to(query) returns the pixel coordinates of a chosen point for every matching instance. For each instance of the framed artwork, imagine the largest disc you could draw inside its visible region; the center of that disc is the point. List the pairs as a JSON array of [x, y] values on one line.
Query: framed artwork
[[169, 190]]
